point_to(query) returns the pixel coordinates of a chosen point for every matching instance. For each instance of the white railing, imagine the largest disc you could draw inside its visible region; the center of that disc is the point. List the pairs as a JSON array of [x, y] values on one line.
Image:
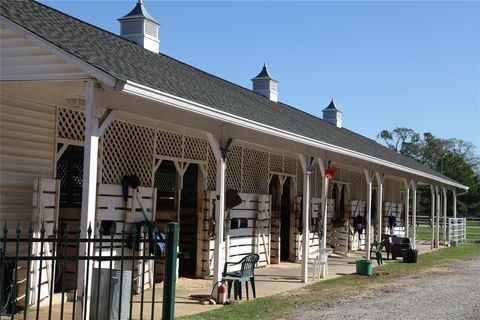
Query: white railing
[[457, 229]]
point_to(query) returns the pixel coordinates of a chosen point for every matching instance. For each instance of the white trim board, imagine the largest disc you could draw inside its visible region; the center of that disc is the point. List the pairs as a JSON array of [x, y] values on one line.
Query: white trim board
[[156, 95]]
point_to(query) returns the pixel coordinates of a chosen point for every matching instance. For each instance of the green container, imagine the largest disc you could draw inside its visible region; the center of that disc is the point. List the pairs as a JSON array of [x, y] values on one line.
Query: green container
[[364, 267]]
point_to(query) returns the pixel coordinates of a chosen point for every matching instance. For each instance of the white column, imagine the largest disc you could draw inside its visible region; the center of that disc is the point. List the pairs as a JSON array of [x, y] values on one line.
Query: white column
[[432, 217], [89, 191], [380, 180], [324, 211], [414, 212], [407, 205], [444, 216], [306, 167], [437, 240], [369, 177], [219, 243], [454, 203], [219, 249], [323, 270]]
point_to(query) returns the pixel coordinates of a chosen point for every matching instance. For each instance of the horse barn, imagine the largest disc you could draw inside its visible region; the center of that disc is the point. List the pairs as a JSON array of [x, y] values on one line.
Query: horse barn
[[82, 108]]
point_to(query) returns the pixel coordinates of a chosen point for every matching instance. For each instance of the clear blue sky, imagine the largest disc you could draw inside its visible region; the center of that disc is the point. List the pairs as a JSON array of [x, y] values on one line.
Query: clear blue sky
[[387, 64]]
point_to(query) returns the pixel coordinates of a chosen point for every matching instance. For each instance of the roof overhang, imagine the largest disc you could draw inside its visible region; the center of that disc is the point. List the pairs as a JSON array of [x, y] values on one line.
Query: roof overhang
[[63, 55], [140, 90]]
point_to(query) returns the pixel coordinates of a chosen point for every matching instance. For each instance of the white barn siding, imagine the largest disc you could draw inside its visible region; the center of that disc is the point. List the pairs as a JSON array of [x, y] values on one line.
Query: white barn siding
[[20, 59], [27, 138]]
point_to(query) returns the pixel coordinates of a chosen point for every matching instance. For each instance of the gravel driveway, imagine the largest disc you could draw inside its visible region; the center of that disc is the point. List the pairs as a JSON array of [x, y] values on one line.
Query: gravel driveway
[[449, 291]]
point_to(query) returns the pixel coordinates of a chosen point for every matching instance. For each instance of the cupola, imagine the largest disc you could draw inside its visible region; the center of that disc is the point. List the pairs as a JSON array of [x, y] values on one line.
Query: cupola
[[139, 26], [265, 85], [332, 114]]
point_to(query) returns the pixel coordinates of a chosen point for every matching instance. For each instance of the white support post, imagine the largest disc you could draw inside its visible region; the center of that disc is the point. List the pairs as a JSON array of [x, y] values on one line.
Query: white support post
[[432, 218], [414, 213], [369, 178], [323, 271], [437, 240], [306, 167], [444, 216], [407, 206], [219, 246], [380, 182], [455, 204], [89, 192]]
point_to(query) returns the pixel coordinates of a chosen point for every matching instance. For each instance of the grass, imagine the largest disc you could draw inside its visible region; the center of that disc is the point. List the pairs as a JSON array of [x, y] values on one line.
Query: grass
[[425, 232], [328, 291]]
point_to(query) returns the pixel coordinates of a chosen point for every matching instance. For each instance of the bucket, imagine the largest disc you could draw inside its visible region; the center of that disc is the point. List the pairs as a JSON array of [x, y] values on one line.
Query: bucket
[[410, 256], [364, 267]]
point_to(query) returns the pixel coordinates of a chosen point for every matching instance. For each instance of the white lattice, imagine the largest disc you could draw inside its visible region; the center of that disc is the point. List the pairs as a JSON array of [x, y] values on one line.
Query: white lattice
[[299, 179], [233, 177], [195, 148], [211, 170], [127, 150], [290, 165], [70, 124], [169, 144], [276, 162], [255, 171]]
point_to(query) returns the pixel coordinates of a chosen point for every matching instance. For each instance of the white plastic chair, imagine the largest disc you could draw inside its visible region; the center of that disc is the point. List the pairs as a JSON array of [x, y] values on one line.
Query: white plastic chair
[[320, 259]]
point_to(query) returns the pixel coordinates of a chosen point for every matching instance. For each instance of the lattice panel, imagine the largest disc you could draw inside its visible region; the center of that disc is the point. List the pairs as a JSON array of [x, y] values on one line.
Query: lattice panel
[[318, 182], [211, 170], [166, 177], [71, 124], [313, 182], [299, 179], [195, 148], [169, 144], [276, 162], [233, 177], [356, 186], [255, 171], [127, 150], [290, 165]]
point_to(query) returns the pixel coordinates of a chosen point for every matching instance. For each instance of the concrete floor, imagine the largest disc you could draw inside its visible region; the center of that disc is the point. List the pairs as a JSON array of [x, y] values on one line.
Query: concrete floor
[[269, 280]]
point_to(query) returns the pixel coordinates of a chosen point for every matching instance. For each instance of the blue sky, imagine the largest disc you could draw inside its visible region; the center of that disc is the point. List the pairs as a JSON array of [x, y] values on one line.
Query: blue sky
[[386, 63]]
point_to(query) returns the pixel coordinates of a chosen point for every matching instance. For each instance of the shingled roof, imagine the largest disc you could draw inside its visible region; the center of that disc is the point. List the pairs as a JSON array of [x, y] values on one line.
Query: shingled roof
[[127, 61]]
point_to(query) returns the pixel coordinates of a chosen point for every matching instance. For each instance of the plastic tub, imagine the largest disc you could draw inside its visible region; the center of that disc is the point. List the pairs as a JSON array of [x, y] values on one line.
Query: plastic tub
[[364, 267], [410, 256]]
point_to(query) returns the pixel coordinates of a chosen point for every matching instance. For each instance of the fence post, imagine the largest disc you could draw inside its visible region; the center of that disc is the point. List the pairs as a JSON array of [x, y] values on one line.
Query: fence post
[[170, 274]]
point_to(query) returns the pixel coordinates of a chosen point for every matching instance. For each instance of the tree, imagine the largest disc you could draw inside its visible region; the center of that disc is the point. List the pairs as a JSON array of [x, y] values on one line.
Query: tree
[[454, 158]]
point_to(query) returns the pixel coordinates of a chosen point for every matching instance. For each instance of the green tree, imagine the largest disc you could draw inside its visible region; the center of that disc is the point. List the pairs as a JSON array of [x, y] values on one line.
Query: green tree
[[454, 158]]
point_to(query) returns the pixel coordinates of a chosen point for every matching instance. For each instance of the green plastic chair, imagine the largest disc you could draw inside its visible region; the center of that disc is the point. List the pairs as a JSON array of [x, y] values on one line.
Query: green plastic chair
[[246, 274], [378, 251]]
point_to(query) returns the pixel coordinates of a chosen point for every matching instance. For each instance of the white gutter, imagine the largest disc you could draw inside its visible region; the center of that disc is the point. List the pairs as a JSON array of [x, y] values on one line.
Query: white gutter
[[187, 105]]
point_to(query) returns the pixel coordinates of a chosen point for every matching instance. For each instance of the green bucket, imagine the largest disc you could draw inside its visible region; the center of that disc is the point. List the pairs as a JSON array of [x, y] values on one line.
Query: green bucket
[[364, 267]]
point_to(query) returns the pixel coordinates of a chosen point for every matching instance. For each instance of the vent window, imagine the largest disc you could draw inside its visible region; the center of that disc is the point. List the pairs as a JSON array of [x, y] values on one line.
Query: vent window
[[151, 29], [128, 27]]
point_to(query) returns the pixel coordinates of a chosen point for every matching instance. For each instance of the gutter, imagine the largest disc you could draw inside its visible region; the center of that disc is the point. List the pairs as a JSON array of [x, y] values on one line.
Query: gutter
[[140, 90]]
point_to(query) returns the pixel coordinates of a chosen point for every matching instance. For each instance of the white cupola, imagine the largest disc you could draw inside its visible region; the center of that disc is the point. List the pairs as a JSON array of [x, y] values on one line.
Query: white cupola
[[265, 85], [139, 26], [332, 114]]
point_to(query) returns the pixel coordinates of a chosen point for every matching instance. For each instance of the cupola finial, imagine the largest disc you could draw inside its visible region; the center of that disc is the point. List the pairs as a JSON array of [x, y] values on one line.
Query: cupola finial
[[265, 84], [139, 26], [332, 114]]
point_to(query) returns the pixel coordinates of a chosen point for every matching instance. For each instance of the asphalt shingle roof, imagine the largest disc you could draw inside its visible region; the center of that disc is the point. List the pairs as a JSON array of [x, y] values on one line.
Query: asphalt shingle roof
[[125, 60]]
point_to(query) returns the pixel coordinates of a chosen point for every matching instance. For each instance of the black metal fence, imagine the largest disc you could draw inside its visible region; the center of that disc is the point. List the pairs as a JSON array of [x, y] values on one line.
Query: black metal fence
[[40, 272]]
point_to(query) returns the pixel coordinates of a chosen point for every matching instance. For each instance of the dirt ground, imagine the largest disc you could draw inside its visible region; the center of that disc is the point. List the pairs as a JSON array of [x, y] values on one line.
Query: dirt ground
[[450, 291]]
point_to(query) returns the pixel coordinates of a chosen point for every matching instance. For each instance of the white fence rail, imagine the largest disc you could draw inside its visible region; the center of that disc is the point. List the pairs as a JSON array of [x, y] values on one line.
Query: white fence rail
[[457, 229]]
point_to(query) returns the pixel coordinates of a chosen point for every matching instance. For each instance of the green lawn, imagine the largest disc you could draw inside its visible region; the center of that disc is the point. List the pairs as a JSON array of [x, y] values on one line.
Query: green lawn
[[425, 233], [324, 292]]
